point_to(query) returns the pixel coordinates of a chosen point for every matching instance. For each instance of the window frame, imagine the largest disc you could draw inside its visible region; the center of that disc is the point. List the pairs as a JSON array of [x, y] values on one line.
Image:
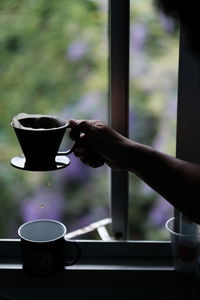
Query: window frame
[[119, 23], [188, 106]]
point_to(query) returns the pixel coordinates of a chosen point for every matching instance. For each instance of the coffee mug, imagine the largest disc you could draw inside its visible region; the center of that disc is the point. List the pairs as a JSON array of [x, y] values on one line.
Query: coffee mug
[[40, 137], [44, 249]]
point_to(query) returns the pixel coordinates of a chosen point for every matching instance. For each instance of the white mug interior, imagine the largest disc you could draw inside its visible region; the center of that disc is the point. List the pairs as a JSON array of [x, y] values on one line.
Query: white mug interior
[[43, 230]]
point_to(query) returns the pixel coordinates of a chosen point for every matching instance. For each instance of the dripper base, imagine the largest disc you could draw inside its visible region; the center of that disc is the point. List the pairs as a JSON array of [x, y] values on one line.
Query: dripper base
[[61, 162]]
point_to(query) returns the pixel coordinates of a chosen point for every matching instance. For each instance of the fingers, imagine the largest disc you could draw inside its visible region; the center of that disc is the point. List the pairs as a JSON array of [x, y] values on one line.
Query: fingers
[[83, 132], [92, 163], [88, 156], [85, 125], [74, 132], [96, 143], [78, 127]]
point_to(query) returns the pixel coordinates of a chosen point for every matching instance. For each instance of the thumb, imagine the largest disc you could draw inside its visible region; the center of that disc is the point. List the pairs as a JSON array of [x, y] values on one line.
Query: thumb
[[71, 123], [81, 125], [78, 127]]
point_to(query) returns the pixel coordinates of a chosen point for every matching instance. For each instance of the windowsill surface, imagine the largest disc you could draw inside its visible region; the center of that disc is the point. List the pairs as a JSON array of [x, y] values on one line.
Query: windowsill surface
[[113, 264], [86, 274], [112, 272]]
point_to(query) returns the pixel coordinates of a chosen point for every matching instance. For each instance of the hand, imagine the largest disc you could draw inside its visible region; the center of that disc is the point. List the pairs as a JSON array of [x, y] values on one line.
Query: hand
[[97, 143]]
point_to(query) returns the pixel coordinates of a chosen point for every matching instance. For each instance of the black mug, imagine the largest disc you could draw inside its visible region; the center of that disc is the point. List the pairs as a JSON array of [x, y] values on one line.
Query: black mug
[[43, 246], [40, 137]]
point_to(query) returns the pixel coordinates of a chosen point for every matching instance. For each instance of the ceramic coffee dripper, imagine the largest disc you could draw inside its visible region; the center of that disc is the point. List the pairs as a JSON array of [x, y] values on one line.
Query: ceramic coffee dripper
[[40, 137]]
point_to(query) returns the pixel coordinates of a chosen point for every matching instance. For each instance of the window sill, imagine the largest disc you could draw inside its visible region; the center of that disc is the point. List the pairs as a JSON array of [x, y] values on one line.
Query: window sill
[[105, 270], [111, 274], [111, 264]]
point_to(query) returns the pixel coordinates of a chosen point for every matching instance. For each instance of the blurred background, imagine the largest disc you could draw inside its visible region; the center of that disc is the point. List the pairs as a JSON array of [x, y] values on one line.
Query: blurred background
[[54, 60]]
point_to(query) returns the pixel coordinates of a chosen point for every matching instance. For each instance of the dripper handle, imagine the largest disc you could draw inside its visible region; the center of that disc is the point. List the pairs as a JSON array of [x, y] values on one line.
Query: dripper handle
[[69, 151]]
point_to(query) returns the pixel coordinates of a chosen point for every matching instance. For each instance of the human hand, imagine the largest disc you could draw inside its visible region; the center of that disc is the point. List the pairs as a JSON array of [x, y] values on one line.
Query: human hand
[[97, 143]]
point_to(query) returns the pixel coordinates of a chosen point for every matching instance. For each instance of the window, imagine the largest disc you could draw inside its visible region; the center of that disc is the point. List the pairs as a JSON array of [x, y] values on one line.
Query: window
[[118, 262], [154, 51], [74, 34], [97, 256], [150, 99], [54, 60]]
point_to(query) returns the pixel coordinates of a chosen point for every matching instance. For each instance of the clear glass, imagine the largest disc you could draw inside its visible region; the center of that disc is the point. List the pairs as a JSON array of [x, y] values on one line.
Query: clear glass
[[153, 101], [53, 60]]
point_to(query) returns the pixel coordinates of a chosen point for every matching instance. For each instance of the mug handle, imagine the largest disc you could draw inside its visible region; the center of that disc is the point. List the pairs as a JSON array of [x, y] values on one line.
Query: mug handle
[[75, 259]]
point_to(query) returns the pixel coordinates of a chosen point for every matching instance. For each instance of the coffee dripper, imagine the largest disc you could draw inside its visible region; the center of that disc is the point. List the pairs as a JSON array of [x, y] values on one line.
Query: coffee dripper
[[40, 137]]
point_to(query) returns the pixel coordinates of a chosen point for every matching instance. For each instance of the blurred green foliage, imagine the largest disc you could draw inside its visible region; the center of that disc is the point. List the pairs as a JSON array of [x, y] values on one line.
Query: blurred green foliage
[[54, 60], [52, 53]]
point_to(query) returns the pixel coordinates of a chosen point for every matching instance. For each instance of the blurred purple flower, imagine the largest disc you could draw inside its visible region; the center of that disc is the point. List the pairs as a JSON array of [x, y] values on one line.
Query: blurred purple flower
[[45, 203], [137, 36], [132, 124], [76, 50], [167, 23], [93, 215], [91, 104], [160, 212], [76, 172]]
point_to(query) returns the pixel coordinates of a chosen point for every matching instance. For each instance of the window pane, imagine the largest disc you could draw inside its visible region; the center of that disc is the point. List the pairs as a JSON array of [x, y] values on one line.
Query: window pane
[[53, 60], [153, 95]]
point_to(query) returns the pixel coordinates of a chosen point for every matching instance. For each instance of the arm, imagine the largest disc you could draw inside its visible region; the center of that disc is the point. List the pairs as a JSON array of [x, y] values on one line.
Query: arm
[[176, 180]]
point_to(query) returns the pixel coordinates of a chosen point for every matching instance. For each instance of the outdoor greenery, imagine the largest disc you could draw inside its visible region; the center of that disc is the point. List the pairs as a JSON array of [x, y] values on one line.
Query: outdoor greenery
[[54, 60]]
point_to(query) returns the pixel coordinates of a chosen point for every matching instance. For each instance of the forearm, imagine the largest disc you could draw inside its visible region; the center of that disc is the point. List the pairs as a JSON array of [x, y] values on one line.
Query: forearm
[[176, 180]]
